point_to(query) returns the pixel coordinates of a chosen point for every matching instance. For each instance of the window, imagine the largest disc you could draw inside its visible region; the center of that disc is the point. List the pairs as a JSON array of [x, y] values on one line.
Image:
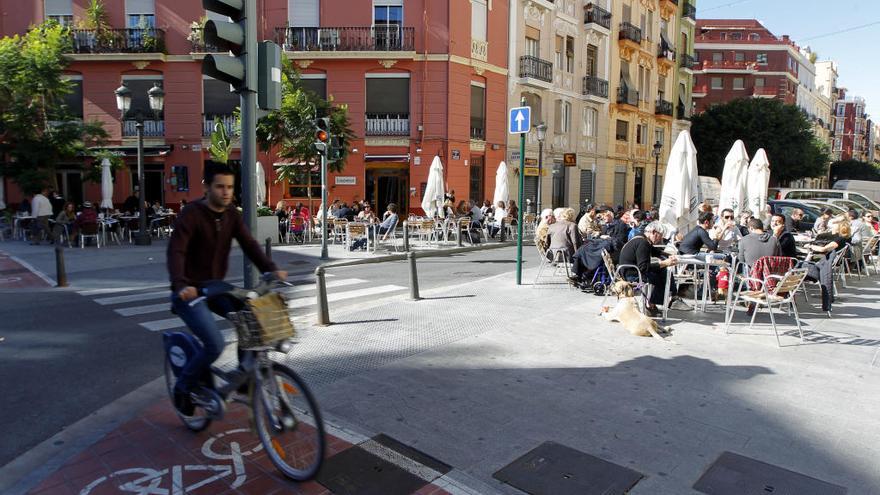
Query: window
[[627, 13], [141, 14], [659, 136], [643, 26], [717, 57], [476, 178], [619, 186], [759, 82], [387, 21], [739, 56], [717, 83], [479, 20], [180, 177], [302, 178], [591, 119], [60, 11], [838, 144], [533, 101], [387, 106], [74, 100], [754, 37], [661, 87], [218, 104], [478, 112], [839, 127], [559, 47], [761, 58], [736, 36], [650, 32], [533, 47], [841, 109], [303, 13], [641, 133], [563, 117], [738, 83], [316, 83], [569, 54], [643, 88], [622, 130], [592, 60], [722, 36]]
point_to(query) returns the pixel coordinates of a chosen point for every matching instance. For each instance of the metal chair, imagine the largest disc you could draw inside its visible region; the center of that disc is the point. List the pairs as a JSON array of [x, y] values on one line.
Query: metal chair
[[780, 296], [869, 255], [89, 230], [616, 274], [355, 231], [296, 228]]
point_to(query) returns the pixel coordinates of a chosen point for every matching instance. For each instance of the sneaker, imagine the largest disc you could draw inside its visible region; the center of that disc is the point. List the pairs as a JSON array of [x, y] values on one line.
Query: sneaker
[[652, 312], [679, 305]]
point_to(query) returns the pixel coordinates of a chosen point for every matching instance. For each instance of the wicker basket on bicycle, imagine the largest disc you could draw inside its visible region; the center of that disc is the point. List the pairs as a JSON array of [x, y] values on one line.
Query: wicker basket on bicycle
[[263, 322]]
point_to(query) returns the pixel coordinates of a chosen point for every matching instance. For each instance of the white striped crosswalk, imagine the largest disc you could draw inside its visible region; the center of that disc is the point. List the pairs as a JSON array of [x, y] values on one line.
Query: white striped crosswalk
[[151, 304]]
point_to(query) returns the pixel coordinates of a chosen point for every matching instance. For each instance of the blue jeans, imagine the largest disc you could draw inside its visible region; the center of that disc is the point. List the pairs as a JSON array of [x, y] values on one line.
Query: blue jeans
[[200, 320]]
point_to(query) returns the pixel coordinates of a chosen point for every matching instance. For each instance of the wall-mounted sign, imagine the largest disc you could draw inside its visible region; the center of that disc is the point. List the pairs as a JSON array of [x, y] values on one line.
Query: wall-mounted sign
[[417, 160], [569, 159], [531, 171], [346, 180], [456, 154], [196, 147], [531, 162], [514, 156]]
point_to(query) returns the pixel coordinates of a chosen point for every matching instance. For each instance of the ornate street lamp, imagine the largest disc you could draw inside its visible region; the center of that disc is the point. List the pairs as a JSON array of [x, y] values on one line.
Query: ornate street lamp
[[658, 147], [542, 134]]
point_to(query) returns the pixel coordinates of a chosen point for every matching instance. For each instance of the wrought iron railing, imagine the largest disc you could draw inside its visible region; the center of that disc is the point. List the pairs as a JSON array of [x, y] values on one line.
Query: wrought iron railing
[[665, 51], [199, 45], [390, 38], [478, 133], [536, 68], [148, 40], [628, 96], [152, 128], [593, 14], [687, 61], [689, 11], [681, 111], [208, 123], [630, 32], [595, 86], [387, 124], [663, 107]]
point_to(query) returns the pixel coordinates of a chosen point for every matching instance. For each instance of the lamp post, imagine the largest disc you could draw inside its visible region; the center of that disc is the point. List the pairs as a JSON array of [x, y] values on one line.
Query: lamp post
[[542, 134], [123, 104], [658, 146]]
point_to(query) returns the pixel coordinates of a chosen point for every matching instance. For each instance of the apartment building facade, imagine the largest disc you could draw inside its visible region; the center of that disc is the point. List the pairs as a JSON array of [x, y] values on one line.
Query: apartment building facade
[[852, 129], [419, 78]]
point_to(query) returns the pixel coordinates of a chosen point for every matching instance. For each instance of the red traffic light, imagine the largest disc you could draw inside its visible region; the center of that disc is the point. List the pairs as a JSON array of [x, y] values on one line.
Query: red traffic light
[[322, 136]]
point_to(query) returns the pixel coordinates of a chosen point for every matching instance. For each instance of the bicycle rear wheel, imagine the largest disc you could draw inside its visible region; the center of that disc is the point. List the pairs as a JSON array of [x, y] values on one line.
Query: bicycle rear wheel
[[288, 422], [199, 420]]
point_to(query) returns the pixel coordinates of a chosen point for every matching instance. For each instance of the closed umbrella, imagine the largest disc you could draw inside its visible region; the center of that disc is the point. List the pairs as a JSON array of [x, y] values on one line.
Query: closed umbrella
[[106, 185], [260, 183], [734, 178], [432, 200], [502, 185], [681, 195], [758, 180]]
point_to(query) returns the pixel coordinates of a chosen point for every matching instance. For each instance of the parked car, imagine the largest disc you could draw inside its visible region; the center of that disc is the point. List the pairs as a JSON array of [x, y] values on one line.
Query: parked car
[[861, 199], [844, 203], [785, 207], [869, 188], [821, 204]]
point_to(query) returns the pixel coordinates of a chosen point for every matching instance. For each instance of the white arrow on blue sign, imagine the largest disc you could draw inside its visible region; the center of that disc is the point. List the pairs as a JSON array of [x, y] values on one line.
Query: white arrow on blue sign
[[520, 120]]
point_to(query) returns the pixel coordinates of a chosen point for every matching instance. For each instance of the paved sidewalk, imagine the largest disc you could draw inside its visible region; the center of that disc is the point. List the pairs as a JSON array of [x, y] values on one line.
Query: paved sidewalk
[[18, 274], [478, 375]]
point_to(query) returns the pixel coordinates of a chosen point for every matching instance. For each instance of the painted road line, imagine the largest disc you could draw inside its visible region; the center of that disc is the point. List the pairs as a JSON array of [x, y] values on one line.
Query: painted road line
[[145, 296], [142, 310], [299, 277], [335, 283], [167, 324], [339, 296]]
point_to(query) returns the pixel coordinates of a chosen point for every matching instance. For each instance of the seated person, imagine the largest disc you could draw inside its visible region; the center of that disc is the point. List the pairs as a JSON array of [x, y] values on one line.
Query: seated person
[[787, 245], [699, 237], [744, 217], [587, 225], [389, 223], [615, 230], [542, 231], [821, 225], [498, 218], [757, 244], [637, 224], [637, 252], [586, 260], [730, 234], [837, 237], [563, 233], [475, 213], [793, 221]]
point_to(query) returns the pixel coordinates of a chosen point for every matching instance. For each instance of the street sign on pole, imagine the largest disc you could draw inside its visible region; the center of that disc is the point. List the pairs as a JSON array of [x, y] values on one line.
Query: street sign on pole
[[519, 120]]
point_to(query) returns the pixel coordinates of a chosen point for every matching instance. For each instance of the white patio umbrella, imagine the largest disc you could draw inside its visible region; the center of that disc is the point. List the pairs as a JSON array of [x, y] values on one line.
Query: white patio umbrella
[[2, 192], [260, 179], [734, 178], [106, 185], [433, 197], [502, 185], [758, 180], [679, 204]]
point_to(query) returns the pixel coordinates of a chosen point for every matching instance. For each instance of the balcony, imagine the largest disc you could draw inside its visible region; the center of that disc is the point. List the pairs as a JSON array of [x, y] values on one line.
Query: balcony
[[535, 68], [593, 86], [681, 112], [629, 32], [152, 128], [627, 96], [346, 39], [93, 41], [479, 50], [208, 123], [478, 133], [729, 66], [689, 12], [765, 92], [665, 54], [699, 91], [663, 107], [687, 62], [197, 38], [593, 14], [387, 124]]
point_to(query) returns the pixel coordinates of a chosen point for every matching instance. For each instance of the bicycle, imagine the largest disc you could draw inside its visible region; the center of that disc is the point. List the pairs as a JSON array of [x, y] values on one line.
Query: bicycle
[[285, 414]]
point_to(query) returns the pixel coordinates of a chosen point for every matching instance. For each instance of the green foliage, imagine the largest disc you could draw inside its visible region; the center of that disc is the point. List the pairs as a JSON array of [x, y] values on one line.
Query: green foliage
[[291, 132], [855, 169], [94, 172], [37, 131], [782, 130], [264, 211], [221, 144]]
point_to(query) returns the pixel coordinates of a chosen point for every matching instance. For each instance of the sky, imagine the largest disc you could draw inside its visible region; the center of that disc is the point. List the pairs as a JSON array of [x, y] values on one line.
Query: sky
[[830, 24]]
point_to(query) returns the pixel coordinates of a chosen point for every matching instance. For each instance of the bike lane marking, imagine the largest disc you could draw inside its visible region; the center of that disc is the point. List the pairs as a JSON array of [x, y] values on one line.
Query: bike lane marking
[[16, 273]]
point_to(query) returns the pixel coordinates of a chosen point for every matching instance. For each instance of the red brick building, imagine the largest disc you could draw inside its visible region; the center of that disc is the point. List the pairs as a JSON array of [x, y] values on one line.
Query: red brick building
[[741, 58], [419, 78], [852, 129]]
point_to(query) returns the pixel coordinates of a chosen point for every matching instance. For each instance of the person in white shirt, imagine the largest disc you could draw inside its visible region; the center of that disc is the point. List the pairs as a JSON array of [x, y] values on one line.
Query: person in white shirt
[[500, 215], [41, 208], [728, 233]]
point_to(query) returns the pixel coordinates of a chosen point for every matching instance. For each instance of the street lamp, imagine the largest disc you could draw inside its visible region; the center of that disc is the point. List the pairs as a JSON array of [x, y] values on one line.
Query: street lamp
[[658, 146], [542, 134], [123, 104]]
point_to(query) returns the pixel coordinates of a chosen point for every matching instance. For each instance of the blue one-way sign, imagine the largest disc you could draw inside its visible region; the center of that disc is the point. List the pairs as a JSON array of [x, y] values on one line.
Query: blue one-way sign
[[520, 120]]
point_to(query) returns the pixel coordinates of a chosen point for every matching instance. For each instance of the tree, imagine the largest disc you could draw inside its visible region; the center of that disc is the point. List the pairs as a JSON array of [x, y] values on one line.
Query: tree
[[782, 130], [37, 130], [854, 169]]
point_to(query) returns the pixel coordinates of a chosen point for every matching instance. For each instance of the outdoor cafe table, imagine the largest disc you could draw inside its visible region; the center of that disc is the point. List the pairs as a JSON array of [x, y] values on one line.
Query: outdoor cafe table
[[690, 260], [16, 226]]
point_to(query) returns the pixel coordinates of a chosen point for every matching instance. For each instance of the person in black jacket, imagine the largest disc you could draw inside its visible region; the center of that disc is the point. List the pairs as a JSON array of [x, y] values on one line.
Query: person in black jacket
[[615, 230], [637, 252], [699, 237], [787, 246]]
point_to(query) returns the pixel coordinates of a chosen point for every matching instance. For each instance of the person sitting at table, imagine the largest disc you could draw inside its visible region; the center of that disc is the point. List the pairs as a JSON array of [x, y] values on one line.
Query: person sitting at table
[[283, 217], [615, 230], [388, 223], [498, 218], [729, 233], [333, 208], [563, 233], [367, 215], [637, 224], [787, 244], [183, 203], [757, 244], [542, 231], [861, 231], [869, 220], [475, 213], [699, 237], [793, 222], [130, 206], [744, 217], [65, 218], [512, 211], [637, 252], [838, 235], [588, 227], [821, 225], [88, 216]]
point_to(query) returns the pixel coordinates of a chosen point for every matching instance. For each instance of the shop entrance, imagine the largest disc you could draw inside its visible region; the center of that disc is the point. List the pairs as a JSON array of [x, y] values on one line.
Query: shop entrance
[[387, 183]]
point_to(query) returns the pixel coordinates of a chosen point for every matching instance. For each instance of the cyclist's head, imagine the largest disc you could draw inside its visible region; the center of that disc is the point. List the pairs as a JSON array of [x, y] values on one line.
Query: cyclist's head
[[220, 184]]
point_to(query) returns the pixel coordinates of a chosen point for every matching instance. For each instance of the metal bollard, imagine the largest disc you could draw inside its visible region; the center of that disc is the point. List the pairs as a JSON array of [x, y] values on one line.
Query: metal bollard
[[323, 309], [60, 272], [405, 236], [458, 226], [413, 277], [269, 247]]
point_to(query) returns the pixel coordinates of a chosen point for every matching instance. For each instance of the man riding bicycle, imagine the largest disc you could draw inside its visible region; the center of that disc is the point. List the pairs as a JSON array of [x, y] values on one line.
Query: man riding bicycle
[[198, 252]]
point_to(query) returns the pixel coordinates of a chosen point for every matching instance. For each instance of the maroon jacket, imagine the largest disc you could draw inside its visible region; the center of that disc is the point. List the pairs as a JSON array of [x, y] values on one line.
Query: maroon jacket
[[199, 247]]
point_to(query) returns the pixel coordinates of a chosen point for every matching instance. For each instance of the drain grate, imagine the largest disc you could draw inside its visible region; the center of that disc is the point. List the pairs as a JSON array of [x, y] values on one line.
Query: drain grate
[[554, 469], [734, 474], [355, 471]]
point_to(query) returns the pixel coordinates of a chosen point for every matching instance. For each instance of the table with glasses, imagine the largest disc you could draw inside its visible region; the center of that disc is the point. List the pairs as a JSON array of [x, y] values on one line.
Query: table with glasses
[[697, 264]]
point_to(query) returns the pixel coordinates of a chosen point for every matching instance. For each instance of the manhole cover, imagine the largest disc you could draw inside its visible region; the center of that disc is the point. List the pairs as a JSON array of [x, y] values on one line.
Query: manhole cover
[[733, 474], [554, 469]]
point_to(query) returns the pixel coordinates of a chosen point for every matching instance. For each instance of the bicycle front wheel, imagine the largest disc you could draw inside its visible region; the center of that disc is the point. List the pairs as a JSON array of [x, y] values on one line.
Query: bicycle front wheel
[[288, 422]]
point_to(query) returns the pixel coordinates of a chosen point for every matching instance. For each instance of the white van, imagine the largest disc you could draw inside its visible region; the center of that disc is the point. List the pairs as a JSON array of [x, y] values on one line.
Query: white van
[[710, 189], [870, 188], [855, 197]]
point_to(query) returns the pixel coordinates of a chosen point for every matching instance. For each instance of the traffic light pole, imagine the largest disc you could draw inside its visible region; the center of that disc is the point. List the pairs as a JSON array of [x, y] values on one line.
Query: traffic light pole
[[249, 134], [324, 254]]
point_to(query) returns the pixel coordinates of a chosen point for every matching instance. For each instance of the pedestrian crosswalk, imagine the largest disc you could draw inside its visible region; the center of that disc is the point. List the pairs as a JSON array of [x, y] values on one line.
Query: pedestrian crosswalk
[[149, 306]]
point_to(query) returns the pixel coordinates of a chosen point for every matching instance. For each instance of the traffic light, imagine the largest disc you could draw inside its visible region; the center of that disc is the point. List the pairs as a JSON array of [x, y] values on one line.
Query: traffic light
[[337, 148], [322, 135], [232, 37]]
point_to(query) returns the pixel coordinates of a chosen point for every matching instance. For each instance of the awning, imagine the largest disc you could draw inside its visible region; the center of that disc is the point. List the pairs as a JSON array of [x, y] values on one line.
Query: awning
[[131, 151]]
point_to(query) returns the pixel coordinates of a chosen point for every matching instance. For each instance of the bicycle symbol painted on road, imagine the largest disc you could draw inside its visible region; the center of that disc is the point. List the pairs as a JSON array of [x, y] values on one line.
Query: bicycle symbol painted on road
[[148, 481]]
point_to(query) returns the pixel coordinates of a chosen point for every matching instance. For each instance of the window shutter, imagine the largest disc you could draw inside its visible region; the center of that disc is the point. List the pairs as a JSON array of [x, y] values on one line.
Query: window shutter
[[303, 13], [59, 7], [478, 20], [557, 121], [140, 7], [533, 33], [586, 187]]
